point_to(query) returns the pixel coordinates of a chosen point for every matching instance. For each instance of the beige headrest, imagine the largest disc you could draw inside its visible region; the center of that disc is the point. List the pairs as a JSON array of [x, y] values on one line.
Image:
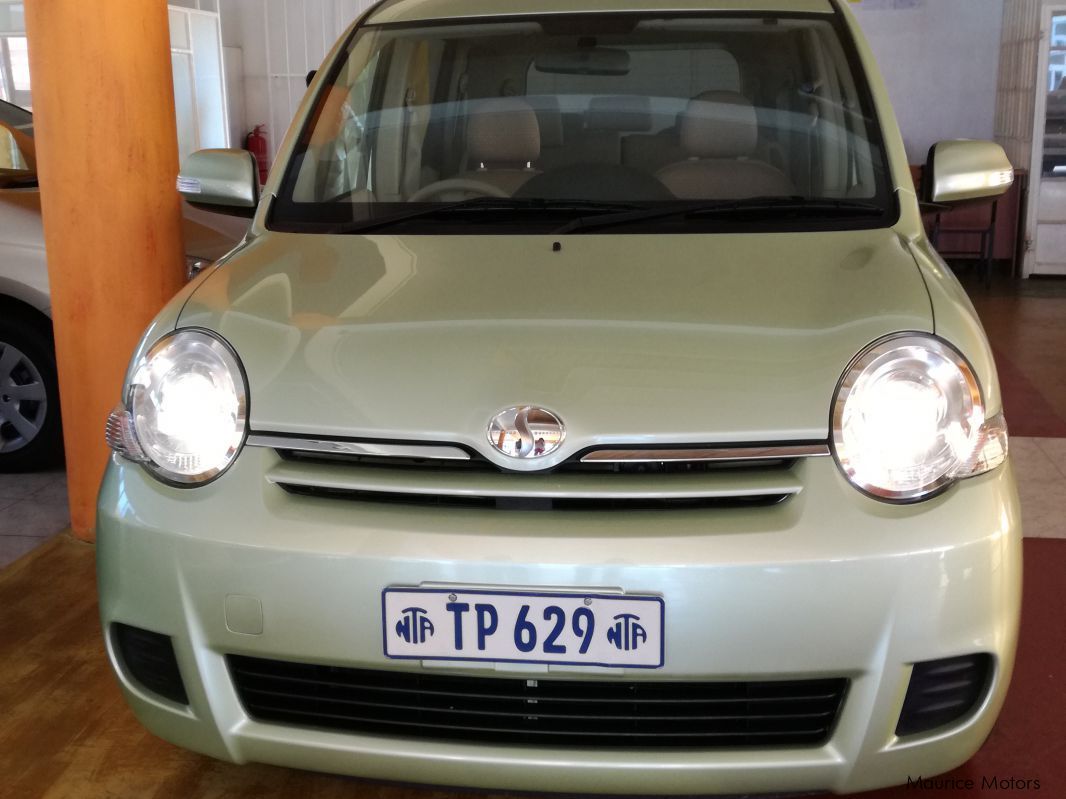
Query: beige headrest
[[549, 119], [720, 125], [503, 131]]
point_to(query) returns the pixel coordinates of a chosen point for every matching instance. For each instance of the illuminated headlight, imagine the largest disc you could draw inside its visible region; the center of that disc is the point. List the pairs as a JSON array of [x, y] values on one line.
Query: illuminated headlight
[[186, 409], [909, 420]]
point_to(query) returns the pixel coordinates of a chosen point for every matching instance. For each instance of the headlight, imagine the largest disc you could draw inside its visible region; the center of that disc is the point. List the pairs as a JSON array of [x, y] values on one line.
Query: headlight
[[909, 420], [186, 410]]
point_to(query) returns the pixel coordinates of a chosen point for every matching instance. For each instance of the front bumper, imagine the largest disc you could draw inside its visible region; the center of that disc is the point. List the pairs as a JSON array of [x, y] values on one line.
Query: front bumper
[[828, 584]]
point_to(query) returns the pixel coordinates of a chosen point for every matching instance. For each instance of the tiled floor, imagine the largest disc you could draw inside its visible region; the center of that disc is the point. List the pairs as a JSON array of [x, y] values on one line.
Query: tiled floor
[[33, 508], [1040, 465]]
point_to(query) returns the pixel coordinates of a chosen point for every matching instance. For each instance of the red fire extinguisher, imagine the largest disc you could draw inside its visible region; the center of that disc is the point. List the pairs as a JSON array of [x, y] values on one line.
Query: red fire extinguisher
[[256, 143]]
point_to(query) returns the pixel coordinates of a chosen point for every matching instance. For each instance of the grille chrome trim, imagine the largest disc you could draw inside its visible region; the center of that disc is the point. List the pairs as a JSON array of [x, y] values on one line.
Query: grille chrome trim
[[362, 448], [445, 452], [783, 452]]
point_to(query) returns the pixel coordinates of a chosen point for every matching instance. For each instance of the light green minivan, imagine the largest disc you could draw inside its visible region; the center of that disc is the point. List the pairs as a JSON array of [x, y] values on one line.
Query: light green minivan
[[586, 410]]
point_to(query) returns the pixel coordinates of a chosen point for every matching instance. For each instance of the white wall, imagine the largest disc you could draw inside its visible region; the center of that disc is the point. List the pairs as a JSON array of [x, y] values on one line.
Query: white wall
[[280, 41], [940, 59]]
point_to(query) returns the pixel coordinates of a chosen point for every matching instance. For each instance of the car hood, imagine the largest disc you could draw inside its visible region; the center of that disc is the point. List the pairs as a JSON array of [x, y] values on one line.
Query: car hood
[[628, 339]]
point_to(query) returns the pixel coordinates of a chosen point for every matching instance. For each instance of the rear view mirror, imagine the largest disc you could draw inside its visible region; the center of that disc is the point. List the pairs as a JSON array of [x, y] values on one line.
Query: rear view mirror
[[223, 181], [967, 170], [584, 61]]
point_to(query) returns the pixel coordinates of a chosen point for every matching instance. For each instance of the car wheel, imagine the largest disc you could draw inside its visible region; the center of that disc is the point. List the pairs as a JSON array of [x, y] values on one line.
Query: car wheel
[[31, 434]]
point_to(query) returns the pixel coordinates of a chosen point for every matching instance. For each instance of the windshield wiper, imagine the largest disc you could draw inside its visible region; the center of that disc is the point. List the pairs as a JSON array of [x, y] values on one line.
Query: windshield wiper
[[493, 204], [757, 207]]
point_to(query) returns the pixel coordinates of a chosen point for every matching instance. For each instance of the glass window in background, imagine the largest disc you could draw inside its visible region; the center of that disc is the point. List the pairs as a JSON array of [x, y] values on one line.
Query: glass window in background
[[1055, 131], [15, 71], [14, 56]]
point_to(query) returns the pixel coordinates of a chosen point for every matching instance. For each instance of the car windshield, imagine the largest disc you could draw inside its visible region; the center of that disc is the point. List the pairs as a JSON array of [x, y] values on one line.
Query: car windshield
[[615, 122]]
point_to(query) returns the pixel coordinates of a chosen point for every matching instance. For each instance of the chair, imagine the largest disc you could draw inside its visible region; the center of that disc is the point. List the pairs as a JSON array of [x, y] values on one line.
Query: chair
[[974, 223]]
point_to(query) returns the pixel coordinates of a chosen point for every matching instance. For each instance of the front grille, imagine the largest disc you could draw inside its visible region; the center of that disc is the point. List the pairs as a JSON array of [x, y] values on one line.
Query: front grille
[[517, 503], [476, 463], [472, 482], [588, 713]]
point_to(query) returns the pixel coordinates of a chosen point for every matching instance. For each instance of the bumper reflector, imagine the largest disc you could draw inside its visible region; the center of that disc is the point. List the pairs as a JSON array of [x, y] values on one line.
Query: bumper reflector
[[149, 659], [943, 691]]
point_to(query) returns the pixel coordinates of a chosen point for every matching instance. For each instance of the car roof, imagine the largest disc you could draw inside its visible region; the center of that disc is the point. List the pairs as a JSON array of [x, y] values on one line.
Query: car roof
[[402, 11]]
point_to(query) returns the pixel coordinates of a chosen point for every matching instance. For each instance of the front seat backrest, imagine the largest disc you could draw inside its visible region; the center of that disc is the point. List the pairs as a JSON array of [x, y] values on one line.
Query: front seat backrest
[[720, 132], [503, 142]]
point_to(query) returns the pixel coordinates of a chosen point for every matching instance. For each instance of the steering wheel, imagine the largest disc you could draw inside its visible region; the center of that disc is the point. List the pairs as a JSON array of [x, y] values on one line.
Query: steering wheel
[[459, 186]]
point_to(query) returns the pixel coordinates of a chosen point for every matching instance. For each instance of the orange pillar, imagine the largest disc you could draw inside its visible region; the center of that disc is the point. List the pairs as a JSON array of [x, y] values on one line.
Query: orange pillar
[[107, 154]]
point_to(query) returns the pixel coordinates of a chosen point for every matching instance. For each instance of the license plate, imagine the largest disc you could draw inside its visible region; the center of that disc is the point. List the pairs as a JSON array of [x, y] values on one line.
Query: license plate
[[577, 629]]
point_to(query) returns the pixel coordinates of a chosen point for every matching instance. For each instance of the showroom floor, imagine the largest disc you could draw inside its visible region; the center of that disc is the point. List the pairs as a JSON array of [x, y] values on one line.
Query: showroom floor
[[66, 731], [33, 508]]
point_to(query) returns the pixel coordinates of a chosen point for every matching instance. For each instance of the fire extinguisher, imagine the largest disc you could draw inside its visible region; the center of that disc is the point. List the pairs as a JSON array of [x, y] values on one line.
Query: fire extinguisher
[[256, 143]]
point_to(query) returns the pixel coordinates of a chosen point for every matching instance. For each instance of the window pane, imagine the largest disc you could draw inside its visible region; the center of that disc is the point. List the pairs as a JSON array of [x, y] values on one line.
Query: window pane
[[20, 63], [1055, 131]]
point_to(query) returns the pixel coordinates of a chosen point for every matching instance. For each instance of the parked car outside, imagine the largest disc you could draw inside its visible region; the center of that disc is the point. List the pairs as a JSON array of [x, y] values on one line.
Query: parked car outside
[[30, 421], [592, 415]]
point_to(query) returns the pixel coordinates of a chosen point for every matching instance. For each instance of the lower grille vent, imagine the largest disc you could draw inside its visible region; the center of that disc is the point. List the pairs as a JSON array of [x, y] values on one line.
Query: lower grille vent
[[616, 714]]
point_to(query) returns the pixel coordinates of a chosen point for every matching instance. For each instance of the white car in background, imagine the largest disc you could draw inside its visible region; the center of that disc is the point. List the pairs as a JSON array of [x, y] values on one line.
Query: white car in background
[[30, 424]]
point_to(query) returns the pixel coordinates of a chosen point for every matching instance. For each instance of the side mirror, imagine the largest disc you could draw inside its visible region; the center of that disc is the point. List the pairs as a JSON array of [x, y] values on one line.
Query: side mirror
[[223, 181], [18, 158], [963, 170]]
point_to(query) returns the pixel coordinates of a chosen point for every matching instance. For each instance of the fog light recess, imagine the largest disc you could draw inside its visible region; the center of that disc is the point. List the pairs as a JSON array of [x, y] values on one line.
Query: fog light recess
[[942, 692], [149, 659]]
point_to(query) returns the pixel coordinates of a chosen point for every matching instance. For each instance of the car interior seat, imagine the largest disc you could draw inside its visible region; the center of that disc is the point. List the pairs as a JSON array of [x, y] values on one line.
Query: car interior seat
[[503, 143], [720, 134]]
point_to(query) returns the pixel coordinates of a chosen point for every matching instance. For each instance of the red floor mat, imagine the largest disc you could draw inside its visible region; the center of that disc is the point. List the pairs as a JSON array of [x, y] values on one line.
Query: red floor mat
[[1029, 741]]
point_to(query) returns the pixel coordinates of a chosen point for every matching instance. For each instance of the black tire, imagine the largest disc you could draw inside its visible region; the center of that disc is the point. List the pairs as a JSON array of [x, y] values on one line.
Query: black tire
[[26, 336]]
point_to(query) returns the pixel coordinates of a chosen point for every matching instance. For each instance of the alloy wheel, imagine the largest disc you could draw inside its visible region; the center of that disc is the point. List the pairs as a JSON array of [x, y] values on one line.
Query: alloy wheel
[[23, 399]]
